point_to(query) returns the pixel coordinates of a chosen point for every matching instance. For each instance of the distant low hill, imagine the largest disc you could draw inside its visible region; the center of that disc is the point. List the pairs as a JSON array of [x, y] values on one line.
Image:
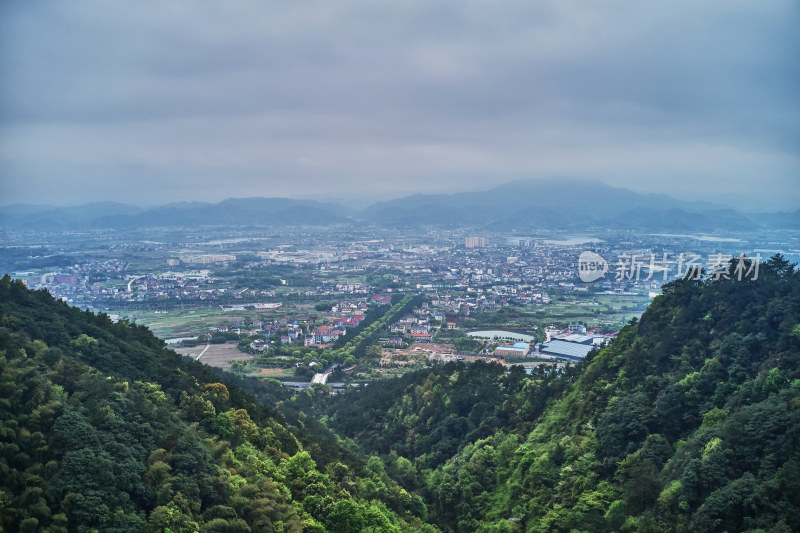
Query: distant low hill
[[47, 217], [231, 212], [519, 205]]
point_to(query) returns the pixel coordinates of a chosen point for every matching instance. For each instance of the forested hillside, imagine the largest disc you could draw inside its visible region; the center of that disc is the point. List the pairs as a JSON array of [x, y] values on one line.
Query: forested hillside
[[102, 429], [429, 415], [689, 421]]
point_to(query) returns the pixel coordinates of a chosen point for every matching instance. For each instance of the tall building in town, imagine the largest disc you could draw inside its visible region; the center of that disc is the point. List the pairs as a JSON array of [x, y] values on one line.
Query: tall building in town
[[475, 242]]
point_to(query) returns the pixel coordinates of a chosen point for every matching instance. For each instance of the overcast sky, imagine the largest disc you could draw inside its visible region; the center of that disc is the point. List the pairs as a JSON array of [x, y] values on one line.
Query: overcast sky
[[150, 102]]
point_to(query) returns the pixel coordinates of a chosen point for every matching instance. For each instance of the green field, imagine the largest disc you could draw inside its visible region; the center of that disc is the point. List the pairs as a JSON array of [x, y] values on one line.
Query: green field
[[194, 322], [595, 310], [606, 311]]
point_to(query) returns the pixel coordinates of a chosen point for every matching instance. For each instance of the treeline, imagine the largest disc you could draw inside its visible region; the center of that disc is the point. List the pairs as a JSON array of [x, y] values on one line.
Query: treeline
[[265, 278], [103, 429], [353, 346], [348, 349]]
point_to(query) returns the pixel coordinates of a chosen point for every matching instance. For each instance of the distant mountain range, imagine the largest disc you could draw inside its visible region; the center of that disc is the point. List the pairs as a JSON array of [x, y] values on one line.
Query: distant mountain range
[[518, 205], [231, 212], [567, 204]]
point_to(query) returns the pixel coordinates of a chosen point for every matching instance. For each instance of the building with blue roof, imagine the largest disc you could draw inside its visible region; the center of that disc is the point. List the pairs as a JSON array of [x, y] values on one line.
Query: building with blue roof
[[519, 349]]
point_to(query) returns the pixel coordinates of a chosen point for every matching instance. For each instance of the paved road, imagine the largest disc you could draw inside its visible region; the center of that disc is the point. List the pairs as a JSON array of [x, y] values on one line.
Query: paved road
[[201, 353]]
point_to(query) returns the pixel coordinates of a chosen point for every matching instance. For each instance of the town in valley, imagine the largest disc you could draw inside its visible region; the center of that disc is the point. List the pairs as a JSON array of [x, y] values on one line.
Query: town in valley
[[346, 304]]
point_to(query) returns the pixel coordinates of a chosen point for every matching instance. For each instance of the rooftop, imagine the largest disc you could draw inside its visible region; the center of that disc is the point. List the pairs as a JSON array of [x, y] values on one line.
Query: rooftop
[[566, 349], [575, 337]]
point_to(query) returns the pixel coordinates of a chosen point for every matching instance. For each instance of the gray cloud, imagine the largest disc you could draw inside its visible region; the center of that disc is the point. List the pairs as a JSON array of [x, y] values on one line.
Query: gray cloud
[[202, 101]]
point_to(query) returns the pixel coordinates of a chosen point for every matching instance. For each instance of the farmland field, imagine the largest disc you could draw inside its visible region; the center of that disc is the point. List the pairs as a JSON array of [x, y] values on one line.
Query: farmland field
[[217, 355], [197, 321]]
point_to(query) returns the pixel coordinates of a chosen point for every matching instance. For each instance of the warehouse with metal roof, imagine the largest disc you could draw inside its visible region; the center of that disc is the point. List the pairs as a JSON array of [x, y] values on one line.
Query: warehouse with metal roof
[[561, 348]]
